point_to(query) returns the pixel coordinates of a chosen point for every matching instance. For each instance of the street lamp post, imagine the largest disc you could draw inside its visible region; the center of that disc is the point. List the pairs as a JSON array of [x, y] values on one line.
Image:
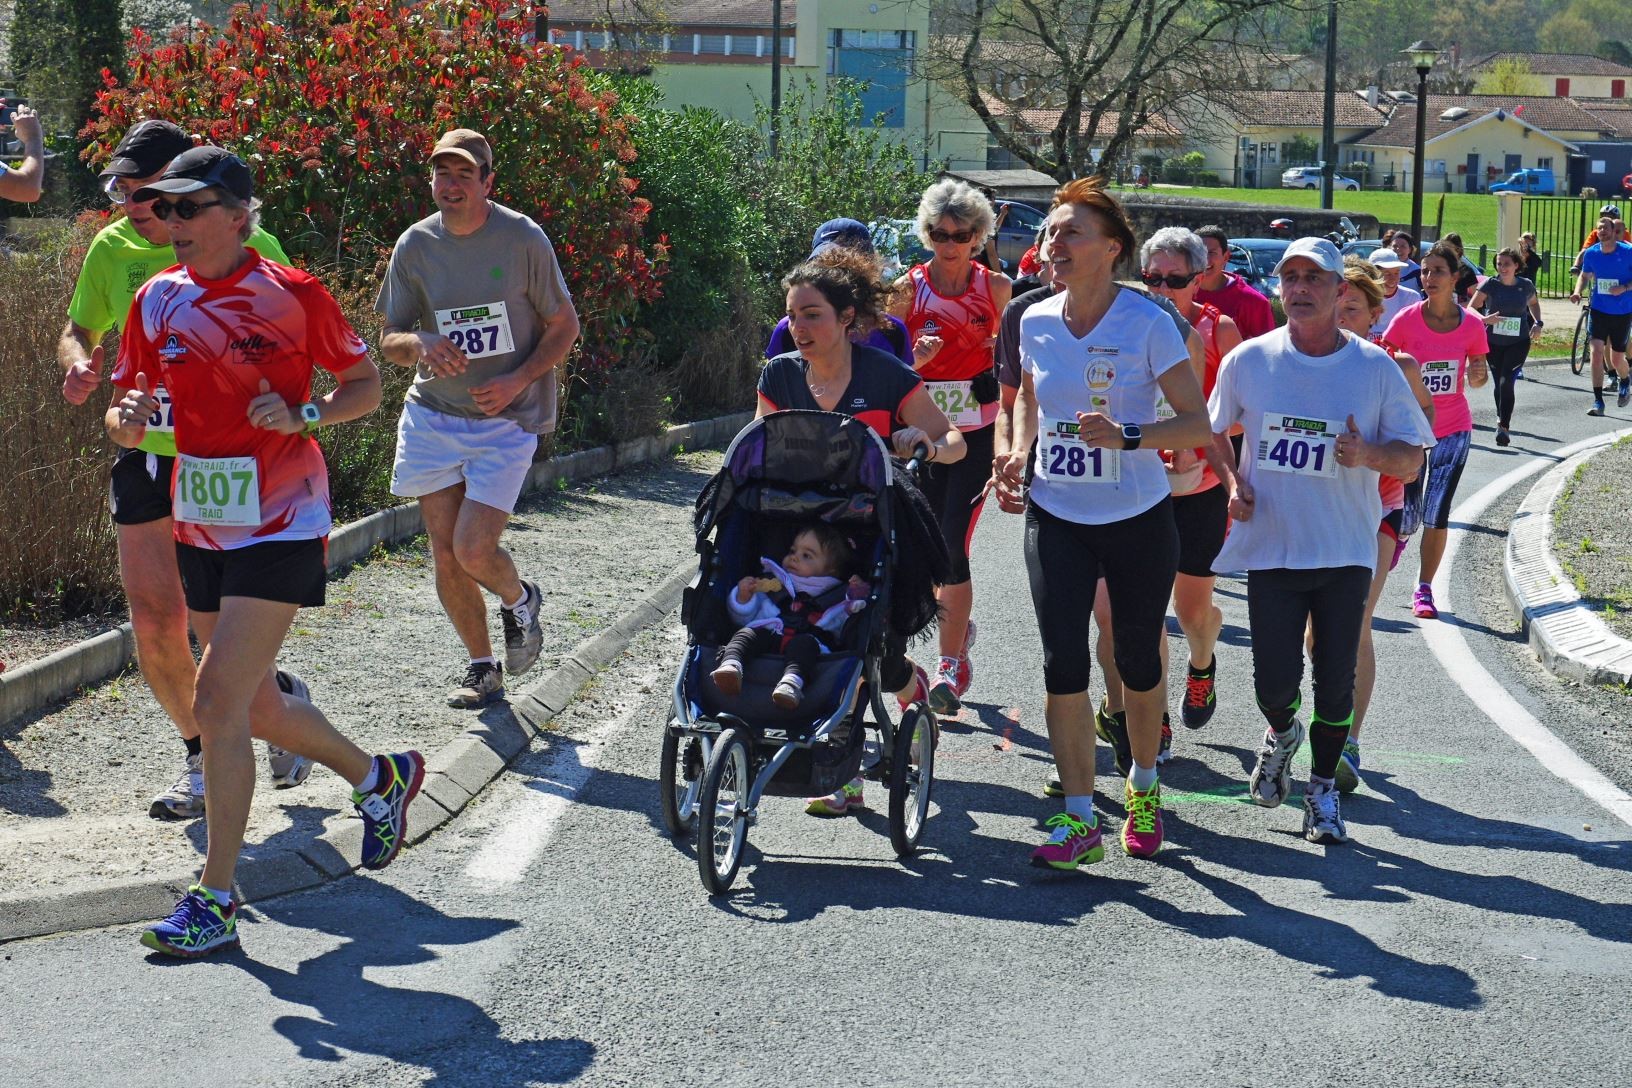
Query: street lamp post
[[1328, 130], [1422, 59]]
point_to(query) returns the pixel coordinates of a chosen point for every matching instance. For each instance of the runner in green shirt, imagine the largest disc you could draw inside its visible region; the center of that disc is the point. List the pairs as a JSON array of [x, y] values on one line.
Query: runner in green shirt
[[122, 257]]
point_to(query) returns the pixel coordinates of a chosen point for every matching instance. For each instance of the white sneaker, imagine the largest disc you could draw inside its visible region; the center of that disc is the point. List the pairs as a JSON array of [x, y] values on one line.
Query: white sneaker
[[1323, 814], [1272, 777], [288, 768], [185, 799]]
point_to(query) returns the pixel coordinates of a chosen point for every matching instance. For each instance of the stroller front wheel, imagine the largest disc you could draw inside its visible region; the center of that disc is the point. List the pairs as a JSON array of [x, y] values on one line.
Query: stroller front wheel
[[679, 782], [912, 772], [722, 818]]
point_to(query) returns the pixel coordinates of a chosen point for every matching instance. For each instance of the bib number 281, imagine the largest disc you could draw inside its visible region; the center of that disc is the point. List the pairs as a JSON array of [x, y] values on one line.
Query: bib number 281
[[1067, 459]]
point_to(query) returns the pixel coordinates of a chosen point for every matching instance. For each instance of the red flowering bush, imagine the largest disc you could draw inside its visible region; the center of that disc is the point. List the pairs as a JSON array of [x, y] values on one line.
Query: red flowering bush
[[336, 104]]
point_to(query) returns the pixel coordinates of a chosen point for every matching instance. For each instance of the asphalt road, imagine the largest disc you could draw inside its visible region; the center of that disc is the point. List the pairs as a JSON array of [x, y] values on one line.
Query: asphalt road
[[1478, 930]]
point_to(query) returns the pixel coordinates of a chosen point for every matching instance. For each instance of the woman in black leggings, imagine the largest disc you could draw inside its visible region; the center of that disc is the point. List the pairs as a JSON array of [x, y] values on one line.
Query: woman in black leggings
[[1512, 313]]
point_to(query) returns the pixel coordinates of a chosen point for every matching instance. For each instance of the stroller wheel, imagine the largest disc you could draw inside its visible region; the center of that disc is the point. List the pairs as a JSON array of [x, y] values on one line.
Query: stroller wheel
[[679, 781], [722, 819], [912, 771]]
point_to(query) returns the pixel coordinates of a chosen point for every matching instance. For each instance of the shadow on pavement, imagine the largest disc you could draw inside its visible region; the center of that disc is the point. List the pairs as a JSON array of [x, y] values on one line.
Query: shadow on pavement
[[381, 927], [22, 790]]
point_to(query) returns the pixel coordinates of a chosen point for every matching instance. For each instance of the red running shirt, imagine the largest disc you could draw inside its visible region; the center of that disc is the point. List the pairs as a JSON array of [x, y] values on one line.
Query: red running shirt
[[1390, 488], [966, 324], [211, 342]]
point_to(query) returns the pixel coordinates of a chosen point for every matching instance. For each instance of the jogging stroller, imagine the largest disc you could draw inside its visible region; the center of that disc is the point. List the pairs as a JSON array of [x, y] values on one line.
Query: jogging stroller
[[721, 754]]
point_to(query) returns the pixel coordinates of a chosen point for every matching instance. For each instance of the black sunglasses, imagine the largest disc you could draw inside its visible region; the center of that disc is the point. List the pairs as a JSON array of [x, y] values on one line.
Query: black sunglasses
[[183, 208], [961, 237], [1173, 280]]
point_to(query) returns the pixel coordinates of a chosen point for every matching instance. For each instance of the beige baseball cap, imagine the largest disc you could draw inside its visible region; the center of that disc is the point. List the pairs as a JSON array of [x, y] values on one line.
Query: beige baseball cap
[[466, 143]]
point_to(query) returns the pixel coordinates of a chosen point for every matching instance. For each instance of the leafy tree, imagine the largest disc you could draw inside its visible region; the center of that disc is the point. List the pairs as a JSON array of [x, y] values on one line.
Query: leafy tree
[[1508, 75], [1302, 149]]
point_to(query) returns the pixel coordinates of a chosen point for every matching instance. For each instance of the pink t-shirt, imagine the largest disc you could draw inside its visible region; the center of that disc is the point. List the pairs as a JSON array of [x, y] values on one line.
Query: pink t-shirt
[[1444, 359], [1239, 302]]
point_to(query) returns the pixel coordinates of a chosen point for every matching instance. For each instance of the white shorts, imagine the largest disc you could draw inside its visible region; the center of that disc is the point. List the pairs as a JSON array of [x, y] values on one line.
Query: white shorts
[[490, 457]]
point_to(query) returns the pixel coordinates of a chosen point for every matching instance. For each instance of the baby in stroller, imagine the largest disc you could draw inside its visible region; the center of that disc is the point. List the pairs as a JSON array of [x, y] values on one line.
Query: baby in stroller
[[798, 611]]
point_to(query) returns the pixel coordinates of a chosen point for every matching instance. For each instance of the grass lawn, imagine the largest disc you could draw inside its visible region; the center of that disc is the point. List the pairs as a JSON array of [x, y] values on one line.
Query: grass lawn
[[1472, 215]]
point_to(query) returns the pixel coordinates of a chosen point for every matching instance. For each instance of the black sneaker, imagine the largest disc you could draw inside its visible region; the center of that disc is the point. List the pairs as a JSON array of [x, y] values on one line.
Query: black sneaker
[[1200, 696], [483, 684], [1166, 751], [1114, 728], [523, 637]]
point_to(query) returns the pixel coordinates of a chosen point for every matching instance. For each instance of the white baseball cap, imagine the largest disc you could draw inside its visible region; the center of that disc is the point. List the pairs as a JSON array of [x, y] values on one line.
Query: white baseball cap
[[1385, 258], [1320, 250]]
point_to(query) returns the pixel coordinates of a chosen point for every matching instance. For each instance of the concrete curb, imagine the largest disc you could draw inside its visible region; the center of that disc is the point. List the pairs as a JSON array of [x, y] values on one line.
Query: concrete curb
[[57, 676], [455, 774], [1566, 636]]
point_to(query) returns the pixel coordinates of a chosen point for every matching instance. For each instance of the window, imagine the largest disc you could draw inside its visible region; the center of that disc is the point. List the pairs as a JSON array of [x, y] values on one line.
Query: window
[[880, 61], [713, 43], [1617, 88], [1269, 154], [1561, 87], [1544, 163]]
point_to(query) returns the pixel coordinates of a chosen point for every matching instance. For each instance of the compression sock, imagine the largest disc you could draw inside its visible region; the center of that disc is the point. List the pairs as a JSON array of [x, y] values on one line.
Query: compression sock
[[1326, 744], [195, 745], [1281, 720]]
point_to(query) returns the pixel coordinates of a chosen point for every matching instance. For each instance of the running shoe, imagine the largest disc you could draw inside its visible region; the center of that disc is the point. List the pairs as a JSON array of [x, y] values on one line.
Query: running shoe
[[966, 666], [1200, 696], [1422, 604], [483, 684], [384, 809], [1518, 373], [1323, 814], [1348, 767], [1502, 437], [1104, 720], [1597, 408], [288, 768], [1165, 753], [1117, 726], [1272, 778], [1624, 393], [185, 799], [1052, 786], [198, 926], [839, 802], [1142, 831], [1072, 843], [523, 637], [788, 693], [943, 693], [920, 688]]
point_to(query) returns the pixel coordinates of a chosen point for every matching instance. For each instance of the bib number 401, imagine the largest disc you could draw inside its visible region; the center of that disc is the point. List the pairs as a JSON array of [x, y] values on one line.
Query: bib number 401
[[1297, 455]]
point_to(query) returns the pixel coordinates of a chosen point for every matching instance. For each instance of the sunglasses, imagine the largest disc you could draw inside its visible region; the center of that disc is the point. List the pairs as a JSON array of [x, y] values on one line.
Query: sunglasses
[[116, 191], [961, 237], [1173, 280], [184, 209]]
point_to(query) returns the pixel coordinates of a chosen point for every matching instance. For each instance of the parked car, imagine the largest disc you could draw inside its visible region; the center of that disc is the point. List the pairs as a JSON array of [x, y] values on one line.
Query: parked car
[[1018, 232], [1308, 177], [1254, 260], [1532, 181], [896, 241]]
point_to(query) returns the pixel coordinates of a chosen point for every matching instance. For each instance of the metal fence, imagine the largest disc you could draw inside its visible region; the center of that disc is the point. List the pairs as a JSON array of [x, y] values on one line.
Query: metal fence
[[1561, 224]]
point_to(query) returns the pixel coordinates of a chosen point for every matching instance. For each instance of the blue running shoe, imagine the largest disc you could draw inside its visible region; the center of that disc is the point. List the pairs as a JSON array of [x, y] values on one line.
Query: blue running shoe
[[199, 926], [385, 809]]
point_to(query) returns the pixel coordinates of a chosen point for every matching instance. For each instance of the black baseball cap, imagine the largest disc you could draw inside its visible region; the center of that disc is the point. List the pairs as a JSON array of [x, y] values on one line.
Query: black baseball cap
[[202, 168], [147, 148]]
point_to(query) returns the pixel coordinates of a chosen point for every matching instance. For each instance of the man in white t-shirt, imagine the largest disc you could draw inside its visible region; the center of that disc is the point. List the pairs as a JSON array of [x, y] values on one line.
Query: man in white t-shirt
[[1395, 297], [1324, 414]]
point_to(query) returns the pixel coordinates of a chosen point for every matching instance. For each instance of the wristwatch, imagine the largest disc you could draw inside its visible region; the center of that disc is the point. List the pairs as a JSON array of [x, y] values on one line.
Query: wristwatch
[[311, 416], [1131, 436]]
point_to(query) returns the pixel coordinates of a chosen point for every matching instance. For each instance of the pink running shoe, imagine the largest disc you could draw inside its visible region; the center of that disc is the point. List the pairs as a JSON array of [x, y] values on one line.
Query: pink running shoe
[[839, 802], [920, 688], [966, 666], [1142, 833], [1073, 843], [1422, 603]]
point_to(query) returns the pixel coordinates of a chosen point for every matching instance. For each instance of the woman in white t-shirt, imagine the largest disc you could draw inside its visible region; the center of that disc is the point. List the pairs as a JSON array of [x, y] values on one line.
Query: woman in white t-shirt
[[1094, 358]]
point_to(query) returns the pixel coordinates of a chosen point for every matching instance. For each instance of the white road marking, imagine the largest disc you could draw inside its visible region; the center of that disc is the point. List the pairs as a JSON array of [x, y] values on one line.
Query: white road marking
[[1450, 646], [528, 822]]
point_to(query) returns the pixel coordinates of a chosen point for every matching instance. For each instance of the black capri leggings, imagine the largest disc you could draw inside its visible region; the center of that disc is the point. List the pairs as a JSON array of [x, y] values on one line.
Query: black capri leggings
[[956, 494], [1504, 359], [1280, 604], [1137, 557]]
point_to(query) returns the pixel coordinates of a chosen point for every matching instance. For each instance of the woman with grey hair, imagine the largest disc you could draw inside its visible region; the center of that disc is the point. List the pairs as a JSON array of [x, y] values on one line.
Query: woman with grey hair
[[951, 305], [1171, 263]]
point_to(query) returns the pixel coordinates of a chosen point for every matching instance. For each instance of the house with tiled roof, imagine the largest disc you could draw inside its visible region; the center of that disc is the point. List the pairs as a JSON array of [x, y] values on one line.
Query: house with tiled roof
[[1472, 140], [1250, 137], [1157, 135], [718, 54], [1565, 75]]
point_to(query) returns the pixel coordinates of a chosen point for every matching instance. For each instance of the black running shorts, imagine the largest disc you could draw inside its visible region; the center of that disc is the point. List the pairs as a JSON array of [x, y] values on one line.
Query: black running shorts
[[288, 571], [139, 488]]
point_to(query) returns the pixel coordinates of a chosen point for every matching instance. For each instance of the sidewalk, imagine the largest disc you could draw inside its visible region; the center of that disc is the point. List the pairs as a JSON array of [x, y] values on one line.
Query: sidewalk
[[75, 780]]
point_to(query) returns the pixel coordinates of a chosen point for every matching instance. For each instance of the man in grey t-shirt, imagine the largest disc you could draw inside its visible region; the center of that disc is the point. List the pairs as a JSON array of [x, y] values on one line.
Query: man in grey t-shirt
[[473, 299]]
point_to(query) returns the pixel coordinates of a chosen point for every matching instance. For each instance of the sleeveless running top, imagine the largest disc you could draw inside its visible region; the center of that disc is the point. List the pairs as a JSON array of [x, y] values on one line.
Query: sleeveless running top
[[966, 324], [1202, 477], [1390, 488]]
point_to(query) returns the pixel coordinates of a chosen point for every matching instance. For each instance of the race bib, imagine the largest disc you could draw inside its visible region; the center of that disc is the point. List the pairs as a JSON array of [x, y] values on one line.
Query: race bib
[[1507, 326], [1303, 447], [1439, 376], [218, 491], [1603, 285], [477, 330], [957, 400], [164, 417], [1067, 459]]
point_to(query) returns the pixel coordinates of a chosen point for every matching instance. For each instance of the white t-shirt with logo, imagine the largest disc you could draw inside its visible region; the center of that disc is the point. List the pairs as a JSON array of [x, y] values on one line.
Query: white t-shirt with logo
[[1310, 513], [1392, 306], [1112, 370]]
